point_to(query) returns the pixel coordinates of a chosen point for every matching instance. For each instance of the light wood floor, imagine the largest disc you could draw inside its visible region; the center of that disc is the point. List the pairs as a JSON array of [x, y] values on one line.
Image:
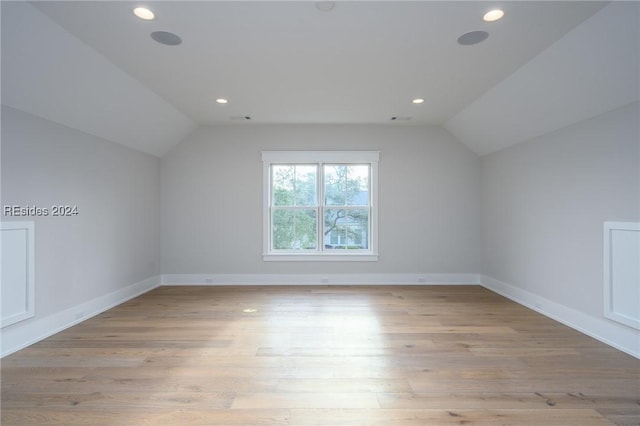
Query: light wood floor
[[389, 356]]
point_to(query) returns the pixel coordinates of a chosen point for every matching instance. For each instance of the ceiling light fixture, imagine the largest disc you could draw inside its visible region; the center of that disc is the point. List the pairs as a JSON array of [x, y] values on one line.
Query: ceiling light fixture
[[144, 13], [493, 15], [222, 101], [418, 101]]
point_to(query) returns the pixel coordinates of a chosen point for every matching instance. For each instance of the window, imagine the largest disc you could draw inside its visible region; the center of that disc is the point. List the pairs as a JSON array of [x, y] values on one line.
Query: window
[[320, 205]]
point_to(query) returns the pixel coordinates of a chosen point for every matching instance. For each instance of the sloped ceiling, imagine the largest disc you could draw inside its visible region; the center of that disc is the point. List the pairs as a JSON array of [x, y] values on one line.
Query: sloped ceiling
[[592, 70], [93, 66], [50, 73]]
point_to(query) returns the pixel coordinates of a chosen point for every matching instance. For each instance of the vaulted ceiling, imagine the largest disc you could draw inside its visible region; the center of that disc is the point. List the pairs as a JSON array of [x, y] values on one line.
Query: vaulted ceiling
[[92, 65]]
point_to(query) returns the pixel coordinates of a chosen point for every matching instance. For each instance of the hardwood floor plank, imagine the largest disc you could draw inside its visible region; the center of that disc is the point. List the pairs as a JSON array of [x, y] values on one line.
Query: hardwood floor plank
[[447, 417], [335, 399], [146, 418], [74, 361], [343, 385], [523, 400], [135, 383], [138, 400]]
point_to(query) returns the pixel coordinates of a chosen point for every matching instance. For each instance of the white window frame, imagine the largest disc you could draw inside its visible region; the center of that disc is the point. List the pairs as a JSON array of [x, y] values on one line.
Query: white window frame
[[320, 158]]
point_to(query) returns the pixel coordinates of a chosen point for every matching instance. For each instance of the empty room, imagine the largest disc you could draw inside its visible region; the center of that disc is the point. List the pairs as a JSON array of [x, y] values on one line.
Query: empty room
[[320, 213]]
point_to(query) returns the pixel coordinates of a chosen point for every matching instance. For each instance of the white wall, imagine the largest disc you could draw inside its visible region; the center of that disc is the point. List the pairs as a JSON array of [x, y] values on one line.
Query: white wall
[[212, 199], [544, 203], [114, 241]]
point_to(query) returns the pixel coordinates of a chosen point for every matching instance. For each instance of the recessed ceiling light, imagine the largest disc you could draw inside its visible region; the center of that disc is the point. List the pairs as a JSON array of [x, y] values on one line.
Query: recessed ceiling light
[[222, 101], [164, 37], [493, 15], [144, 13], [418, 101], [473, 37]]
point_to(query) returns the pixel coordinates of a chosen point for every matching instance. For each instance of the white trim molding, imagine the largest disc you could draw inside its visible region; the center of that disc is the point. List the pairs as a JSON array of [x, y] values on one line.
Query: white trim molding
[[319, 158], [618, 336], [305, 257], [320, 279], [18, 289], [621, 269], [20, 336]]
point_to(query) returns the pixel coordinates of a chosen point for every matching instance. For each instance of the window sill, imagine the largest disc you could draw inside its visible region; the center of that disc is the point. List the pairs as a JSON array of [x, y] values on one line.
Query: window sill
[[302, 257]]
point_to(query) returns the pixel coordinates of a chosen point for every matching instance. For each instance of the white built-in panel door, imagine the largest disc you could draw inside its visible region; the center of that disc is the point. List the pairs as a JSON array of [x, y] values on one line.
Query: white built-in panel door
[[17, 266], [622, 272]]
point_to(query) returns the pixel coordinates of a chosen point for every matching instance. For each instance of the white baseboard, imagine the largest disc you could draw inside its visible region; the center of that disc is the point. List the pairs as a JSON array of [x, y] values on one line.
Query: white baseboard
[[320, 279], [613, 334], [21, 335]]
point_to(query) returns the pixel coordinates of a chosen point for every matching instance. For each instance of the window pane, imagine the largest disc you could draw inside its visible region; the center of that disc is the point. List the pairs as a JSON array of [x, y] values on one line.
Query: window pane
[[346, 185], [357, 185], [346, 229], [335, 178], [294, 229], [282, 178], [294, 185], [305, 185]]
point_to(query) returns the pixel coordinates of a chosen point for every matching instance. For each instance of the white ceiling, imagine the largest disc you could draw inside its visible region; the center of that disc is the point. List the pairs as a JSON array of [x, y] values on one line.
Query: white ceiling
[[284, 62]]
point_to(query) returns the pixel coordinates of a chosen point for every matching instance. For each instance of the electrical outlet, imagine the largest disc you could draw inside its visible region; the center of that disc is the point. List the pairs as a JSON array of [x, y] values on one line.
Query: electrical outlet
[[422, 280]]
